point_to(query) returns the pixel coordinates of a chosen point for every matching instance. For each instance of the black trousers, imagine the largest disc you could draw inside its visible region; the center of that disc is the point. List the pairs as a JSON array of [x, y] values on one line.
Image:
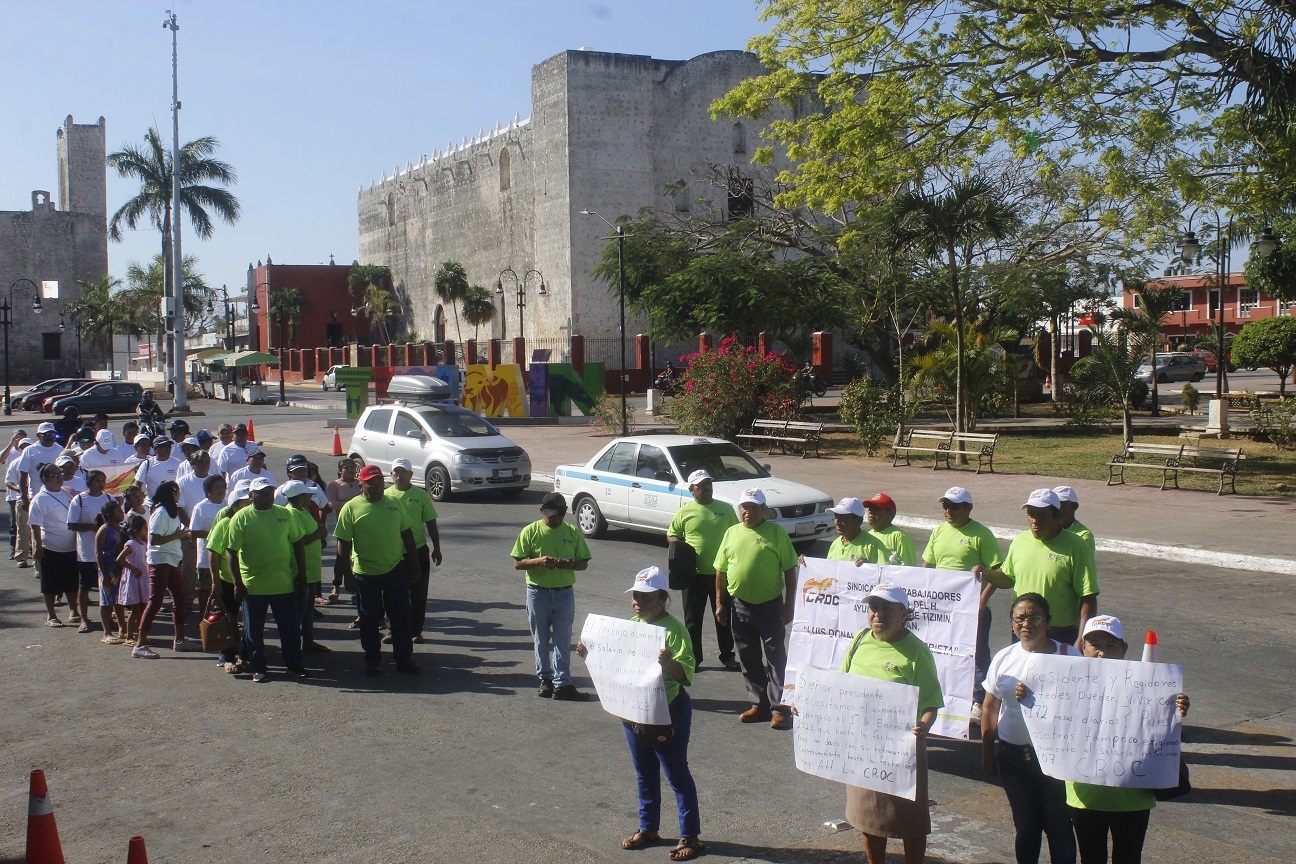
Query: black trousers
[[1128, 831], [389, 592], [419, 589], [695, 599]]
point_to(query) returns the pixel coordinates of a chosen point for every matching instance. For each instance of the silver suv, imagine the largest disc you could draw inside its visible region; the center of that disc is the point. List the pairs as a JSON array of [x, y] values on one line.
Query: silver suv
[[1173, 366], [451, 448]]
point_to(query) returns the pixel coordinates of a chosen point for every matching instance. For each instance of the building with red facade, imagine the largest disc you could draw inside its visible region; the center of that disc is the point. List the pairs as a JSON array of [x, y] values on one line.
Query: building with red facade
[[326, 322], [1198, 310]]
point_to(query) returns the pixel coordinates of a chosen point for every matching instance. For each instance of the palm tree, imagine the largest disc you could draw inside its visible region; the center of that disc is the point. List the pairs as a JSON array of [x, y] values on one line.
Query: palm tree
[[149, 285], [478, 308], [945, 229], [1112, 369], [451, 285], [94, 310], [201, 195], [1153, 306], [286, 306], [380, 305]]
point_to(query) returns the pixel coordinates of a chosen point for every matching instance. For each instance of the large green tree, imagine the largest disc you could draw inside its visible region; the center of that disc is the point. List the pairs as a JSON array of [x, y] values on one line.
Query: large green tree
[[286, 306], [478, 307], [1269, 342], [1150, 104], [94, 310]]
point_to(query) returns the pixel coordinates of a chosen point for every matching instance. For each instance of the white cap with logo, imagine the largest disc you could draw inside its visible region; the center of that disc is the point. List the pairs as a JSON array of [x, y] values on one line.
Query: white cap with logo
[[1066, 493], [1108, 624], [293, 488], [650, 579], [105, 439], [752, 496], [1042, 498], [848, 507], [402, 463], [698, 476], [955, 495]]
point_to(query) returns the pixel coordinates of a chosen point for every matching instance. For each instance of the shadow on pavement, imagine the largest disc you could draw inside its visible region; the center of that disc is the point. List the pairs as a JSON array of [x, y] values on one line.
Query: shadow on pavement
[[1274, 802], [1206, 735]]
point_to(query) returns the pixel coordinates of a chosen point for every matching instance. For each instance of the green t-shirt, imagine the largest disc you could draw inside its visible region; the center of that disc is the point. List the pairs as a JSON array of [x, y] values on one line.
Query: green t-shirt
[[908, 660], [218, 545], [898, 542], [1084, 534], [703, 526], [418, 504], [1109, 799], [264, 540], [951, 548], [865, 546], [681, 648], [754, 561], [538, 540], [373, 528], [1061, 569], [313, 550]]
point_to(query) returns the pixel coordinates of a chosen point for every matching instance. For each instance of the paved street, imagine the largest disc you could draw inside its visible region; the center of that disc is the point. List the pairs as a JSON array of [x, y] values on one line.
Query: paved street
[[464, 762]]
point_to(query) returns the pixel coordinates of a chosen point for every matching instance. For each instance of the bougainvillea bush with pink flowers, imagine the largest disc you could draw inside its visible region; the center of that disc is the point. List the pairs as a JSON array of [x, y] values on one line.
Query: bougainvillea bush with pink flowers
[[724, 390]]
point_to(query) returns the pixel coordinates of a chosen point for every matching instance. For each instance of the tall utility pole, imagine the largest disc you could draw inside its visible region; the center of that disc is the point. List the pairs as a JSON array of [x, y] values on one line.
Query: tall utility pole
[[181, 385]]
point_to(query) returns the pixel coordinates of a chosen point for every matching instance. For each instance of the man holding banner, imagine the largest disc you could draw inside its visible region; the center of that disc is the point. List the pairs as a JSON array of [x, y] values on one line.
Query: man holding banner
[[853, 543], [756, 596]]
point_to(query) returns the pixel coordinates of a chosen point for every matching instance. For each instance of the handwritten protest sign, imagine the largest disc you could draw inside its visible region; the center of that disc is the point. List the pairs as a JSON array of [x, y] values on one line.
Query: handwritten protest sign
[[830, 610], [1105, 722], [622, 661], [857, 730]]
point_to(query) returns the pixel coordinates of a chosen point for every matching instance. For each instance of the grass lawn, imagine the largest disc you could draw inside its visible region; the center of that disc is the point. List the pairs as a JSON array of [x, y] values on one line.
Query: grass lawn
[[1084, 455]]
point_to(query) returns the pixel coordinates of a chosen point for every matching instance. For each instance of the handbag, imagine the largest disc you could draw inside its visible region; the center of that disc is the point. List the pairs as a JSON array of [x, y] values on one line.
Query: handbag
[[681, 565], [1184, 787], [220, 634]]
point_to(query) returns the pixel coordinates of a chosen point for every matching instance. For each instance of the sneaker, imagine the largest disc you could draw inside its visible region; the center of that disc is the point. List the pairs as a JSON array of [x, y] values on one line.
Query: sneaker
[[568, 693], [976, 712], [546, 690], [186, 645], [260, 677], [143, 652], [298, 671], [409, 667], [755, 714]]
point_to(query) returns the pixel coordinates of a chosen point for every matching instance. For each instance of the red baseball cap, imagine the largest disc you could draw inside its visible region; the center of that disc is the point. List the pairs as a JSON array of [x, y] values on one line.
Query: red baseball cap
[[369, 472], [881, 499]]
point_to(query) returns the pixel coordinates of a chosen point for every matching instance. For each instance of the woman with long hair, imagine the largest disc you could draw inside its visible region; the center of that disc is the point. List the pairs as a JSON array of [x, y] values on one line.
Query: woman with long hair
[[166, 534]]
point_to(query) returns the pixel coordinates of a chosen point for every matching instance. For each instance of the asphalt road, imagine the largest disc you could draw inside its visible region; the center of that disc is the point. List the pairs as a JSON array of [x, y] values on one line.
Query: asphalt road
[[465, 762]]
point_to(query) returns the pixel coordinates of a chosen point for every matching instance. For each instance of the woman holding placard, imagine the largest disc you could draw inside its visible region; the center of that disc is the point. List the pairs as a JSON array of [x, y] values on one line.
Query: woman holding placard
[[1038, 802], [655, 747], [887, 651]]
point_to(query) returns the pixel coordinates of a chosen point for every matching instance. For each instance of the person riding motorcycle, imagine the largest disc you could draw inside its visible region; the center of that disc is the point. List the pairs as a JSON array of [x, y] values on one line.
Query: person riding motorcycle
[[665, 381], [150, 415], [66, 426]]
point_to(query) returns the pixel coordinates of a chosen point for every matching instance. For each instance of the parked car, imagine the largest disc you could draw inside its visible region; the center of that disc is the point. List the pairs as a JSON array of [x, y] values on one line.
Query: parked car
[[1208, 357], [47, 404], [1173, 366], [30, 400], [109, 397], [329, 381], [16, 401], [639, 483], [452, 449]]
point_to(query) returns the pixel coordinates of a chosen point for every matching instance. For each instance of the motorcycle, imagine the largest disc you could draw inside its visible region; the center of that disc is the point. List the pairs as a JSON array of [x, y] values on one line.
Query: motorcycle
[[666, 383], [811, 381]]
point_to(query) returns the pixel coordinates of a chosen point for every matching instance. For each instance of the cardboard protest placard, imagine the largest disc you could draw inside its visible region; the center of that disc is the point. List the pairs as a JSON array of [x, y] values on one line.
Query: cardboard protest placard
[[1105, 722], [857, 730], [830, 610], [622, 661]]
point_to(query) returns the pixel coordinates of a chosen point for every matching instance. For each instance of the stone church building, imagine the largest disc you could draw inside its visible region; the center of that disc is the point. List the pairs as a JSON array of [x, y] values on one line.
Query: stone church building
[[612, 133], [54, 244]]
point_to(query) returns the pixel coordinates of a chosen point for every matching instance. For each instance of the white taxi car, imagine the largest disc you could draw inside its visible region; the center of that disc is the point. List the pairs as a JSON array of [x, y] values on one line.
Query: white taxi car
[[638, 483]]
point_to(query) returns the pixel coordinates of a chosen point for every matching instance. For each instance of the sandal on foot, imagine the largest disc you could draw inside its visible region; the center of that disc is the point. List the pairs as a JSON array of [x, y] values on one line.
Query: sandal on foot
[[687, 849], [640, 839], [53, 622], [111, 640], [84, 628]]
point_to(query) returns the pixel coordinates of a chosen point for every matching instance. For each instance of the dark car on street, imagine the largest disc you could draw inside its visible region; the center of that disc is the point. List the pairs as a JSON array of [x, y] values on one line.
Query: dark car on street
[[30, 400], [108, 397]]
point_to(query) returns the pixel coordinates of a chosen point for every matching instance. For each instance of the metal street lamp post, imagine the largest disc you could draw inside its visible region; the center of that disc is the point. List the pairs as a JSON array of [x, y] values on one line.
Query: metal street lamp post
[[6, 318], [620, 238], [283, 347], [76, 322], [1191, 249], [519, 285]]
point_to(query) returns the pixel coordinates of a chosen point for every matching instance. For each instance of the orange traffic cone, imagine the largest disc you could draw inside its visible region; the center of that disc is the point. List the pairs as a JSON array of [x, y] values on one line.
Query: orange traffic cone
[[337, 442], [137, 854], [251, 430], [1151, 648], [43, 845]]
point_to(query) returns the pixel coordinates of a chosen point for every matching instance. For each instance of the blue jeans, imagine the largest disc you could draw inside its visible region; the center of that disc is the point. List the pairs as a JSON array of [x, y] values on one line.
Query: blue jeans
[[674, 758], [389, 593], [982, 660], [550, 612], [1038, 805], [284, 607]]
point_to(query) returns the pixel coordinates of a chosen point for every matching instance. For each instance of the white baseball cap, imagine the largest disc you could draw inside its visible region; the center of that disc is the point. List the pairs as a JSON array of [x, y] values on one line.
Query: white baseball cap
[[402, 463], [752, 496], [142, 438], [1042, 498], [104, 438], [890, 593], [65, 458], [1109, 624], [848, 507], [241, 492], [191, 441], [650, 579], [1066, 493], [293, 488], [260, 484], [45, 428], [955, 495], [698, 476]]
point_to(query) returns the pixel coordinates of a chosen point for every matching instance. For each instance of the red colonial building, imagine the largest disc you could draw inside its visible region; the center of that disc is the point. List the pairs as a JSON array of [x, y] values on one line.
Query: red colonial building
[[1199, 308], [327, 322]]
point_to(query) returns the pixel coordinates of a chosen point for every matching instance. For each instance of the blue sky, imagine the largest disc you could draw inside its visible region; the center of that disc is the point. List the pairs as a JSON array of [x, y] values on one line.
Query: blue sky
[[310, 100]]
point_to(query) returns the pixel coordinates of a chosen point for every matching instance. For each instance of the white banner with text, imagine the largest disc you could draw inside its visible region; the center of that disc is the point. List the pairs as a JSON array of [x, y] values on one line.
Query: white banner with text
[[622, 661]]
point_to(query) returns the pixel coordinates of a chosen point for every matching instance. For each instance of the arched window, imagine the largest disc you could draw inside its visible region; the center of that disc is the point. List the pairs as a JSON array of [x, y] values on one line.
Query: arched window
[[739, 139], [439, 325], [391, 209], [506, 170]]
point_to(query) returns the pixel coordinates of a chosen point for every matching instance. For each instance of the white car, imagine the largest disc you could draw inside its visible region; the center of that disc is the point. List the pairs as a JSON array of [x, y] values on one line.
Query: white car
[[639, 482], [329, 381]]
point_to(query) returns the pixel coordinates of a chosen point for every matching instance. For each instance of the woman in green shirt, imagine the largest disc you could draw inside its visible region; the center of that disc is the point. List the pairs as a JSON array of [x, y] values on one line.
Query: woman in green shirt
[[887, 651], [648, 598]]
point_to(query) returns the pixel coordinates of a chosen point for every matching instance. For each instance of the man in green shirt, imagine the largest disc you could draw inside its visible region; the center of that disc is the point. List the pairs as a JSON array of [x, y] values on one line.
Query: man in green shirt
[[961, 543], [423, 516], [756, 596], [268, 570], [298, 494], [702, 523], [376, 546], [1069, 503], [1053, 562], [551, 550], [881, 513], [853, 543]]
